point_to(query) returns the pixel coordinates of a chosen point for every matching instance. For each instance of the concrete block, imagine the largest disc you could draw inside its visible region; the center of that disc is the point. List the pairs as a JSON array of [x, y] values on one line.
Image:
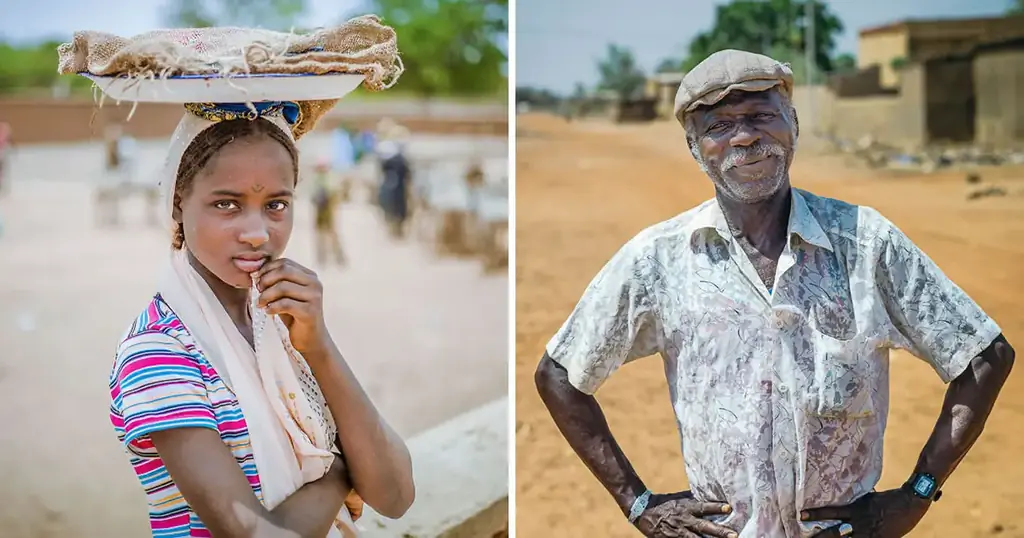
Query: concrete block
[[461, 473]]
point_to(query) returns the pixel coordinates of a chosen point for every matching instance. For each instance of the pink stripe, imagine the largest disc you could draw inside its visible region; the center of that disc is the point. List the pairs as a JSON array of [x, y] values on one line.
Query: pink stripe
[[168, 359], [231, 425], [171, 522], [148, 466], [152, 312]]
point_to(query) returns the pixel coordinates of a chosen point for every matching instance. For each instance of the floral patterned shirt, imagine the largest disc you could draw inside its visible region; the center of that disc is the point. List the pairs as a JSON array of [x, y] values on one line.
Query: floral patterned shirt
[[781, 397]]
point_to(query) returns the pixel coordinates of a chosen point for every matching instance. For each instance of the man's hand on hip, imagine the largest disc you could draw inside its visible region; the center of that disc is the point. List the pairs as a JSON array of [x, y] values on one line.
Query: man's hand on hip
[[889, 514], [679, 515]]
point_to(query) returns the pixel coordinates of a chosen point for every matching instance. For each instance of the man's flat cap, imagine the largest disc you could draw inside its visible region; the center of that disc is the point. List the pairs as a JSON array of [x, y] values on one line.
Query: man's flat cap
[[727, 71]]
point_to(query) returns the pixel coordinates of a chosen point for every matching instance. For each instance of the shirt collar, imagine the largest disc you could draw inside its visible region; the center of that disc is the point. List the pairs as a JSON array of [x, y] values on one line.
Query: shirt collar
[[801, 222]]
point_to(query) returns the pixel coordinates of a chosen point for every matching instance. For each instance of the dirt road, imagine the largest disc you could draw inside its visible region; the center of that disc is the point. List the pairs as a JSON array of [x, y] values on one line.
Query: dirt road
[[582, 190], [426, 337]]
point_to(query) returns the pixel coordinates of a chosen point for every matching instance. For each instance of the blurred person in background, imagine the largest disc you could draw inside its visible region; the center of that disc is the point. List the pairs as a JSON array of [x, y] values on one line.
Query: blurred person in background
[[775, 311], [234, 405], [344, 157], [393, 195], [326, 194], [6, 146], [364, 144], [475, 183], [119, 161]]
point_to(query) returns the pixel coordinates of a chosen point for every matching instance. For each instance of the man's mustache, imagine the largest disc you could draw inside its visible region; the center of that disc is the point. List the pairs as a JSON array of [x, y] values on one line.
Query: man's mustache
[[741, 155]]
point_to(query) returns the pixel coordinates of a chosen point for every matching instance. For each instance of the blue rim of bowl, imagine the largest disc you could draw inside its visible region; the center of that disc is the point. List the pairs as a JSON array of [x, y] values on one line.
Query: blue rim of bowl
[[214, 76]]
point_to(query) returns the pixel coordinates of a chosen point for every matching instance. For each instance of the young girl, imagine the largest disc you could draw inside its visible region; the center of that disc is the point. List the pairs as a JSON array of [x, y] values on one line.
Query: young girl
[[238, 412]]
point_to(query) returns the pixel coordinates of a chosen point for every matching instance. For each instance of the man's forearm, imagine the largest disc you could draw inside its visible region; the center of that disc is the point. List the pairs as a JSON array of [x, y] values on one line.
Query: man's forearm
[[969, 400], [582, 423]]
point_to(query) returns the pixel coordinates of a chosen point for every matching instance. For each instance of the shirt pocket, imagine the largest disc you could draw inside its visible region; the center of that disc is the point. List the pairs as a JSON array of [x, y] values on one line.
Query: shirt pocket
[[842, 382]]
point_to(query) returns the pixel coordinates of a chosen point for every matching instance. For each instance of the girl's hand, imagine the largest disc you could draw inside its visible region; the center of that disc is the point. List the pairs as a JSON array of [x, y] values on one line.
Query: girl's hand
[[293, 292]]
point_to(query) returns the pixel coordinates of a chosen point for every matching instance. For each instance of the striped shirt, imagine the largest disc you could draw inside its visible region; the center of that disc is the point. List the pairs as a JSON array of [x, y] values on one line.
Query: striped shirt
[[160, 381]]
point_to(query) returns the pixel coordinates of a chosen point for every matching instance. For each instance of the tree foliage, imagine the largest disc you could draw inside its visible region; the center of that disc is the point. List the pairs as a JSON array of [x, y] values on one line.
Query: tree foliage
[[449, 47], [537, 97], [620, 73], [29, 68], [668, 65], [772, 27]]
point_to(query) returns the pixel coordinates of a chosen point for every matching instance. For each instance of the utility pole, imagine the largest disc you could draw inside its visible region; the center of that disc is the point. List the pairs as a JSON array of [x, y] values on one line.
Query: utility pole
[[809, 58]]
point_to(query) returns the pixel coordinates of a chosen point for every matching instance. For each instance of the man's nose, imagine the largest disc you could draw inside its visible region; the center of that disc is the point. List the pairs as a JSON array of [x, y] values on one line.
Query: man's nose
[[745, 135]]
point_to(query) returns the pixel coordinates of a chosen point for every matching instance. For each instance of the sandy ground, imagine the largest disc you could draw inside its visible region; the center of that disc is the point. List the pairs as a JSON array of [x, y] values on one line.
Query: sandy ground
[[584, 189], [427, 338]]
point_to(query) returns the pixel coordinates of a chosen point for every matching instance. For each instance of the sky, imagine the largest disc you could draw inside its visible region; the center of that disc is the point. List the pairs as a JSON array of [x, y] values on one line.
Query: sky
[[34, 20], [558, 42]]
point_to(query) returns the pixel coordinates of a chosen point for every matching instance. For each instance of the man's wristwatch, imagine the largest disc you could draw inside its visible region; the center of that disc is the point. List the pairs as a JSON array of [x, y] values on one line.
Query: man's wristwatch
[[639, 506], [923, 486]]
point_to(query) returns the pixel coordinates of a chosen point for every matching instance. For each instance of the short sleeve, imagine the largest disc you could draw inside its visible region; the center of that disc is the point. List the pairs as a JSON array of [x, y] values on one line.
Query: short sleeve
[[931, 317], [613, 323], [157, 385]]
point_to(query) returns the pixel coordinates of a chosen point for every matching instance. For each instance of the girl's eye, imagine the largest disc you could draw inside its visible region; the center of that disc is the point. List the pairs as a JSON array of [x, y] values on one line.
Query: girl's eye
[[225, 204], [278, 205]]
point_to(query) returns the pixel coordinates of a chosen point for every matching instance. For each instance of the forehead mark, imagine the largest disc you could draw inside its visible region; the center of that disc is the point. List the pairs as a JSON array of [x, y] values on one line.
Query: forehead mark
[[257, 188]]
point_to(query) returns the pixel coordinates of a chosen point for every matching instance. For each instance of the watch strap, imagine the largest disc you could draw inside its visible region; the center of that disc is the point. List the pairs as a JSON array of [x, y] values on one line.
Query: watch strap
[[911, 486], [639, 506]]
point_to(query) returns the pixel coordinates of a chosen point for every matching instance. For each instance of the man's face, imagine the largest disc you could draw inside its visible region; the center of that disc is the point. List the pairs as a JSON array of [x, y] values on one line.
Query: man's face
[[746, 143]]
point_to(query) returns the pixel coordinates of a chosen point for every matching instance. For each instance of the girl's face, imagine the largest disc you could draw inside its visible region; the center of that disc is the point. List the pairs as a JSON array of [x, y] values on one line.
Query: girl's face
[[237, 213]]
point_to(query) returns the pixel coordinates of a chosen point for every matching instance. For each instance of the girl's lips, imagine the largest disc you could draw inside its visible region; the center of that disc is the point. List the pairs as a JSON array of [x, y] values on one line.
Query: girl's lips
[[248, 266]]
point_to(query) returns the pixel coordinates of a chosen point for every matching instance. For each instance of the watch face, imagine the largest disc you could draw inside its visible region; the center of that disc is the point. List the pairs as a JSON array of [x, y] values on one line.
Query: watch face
[[924, 486]]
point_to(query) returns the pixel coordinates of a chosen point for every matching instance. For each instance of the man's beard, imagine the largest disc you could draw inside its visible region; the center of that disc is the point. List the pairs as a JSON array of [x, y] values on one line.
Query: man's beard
[[761, 188]]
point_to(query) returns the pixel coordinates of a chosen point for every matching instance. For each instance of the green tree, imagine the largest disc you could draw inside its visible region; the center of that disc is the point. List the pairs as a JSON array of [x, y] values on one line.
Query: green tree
[[844, 63], [669, 65], [773, 27], [579, 91], [1016, 7], [271, 14], [537, 97], [31, 68], [620, 73], [449, 47]]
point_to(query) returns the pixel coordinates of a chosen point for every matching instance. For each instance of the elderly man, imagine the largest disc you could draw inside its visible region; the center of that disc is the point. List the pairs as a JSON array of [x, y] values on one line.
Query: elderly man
[[774, 311]]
